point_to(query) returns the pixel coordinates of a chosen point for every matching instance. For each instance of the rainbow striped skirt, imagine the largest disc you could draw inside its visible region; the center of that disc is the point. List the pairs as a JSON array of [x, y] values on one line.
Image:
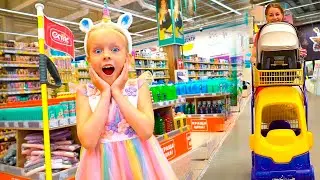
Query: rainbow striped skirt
[[131, 159]]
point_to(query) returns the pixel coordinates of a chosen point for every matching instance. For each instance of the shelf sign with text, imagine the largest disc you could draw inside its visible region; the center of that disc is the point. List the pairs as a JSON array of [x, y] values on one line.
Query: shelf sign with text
[[170, 22], [176, 145], [169, 149], [199, 124]]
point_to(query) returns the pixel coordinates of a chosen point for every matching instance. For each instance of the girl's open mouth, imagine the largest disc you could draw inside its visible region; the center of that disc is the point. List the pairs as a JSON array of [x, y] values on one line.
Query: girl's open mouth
[[108, 69]]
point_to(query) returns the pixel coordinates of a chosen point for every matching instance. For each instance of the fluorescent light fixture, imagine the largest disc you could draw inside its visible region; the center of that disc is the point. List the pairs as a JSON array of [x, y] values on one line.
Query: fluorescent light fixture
[[34, 15], [147, 30], [77, 41], [118, 10], [79, 48], [303, 5], [136, 34], [29, 35], [227, 7], [307, 15]]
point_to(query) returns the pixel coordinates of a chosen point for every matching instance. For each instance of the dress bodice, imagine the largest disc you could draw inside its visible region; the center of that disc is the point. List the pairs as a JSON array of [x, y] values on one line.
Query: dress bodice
[[116, 128]]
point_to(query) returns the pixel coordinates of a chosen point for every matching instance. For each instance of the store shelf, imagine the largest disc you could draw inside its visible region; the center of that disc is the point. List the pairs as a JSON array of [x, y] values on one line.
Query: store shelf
[[20, 79], [164, 104], [164, 77], [211, 63], [15, 171], [83, 69], [19, 65], [221, 115], [172, 133], [145, 68], [16, 51], [208, 69], [21, 92], [83, 77], [150, 59], [205, 95], [37, 125]]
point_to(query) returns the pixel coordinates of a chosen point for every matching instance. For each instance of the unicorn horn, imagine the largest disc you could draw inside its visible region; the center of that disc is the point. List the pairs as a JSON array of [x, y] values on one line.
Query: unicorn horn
[[106, 13]]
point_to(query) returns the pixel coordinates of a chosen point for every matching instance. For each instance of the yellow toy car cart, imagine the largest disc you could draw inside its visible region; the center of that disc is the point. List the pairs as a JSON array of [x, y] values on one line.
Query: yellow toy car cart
[[280, 140]]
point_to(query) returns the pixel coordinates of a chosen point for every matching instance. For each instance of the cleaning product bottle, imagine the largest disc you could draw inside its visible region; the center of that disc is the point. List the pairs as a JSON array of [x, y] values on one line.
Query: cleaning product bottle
[[209, 108], [193, 108], [204, 107], [199, 108]]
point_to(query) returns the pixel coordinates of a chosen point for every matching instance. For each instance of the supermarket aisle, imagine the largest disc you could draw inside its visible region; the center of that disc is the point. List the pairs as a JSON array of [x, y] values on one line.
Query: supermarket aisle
[[233, 160]]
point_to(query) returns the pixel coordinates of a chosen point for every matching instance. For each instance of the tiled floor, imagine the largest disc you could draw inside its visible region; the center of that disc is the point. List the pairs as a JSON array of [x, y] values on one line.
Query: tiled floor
[[233, 159]]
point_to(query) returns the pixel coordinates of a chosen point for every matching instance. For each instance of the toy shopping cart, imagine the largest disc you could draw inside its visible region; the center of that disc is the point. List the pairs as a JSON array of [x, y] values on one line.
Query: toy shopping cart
[[280, 140]]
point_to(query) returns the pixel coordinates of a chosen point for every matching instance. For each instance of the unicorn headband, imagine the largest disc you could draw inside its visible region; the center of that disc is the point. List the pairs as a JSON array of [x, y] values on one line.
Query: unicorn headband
[[123, 24]]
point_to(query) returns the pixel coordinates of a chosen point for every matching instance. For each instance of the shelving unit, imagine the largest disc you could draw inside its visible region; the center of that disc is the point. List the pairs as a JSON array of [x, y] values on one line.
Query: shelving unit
[[212, 68], [157, 66], [19, 73], [237, 77], [208, 122], [82, 75]]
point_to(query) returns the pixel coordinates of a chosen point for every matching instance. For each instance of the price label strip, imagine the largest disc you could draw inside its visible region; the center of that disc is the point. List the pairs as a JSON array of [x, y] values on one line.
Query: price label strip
[[64, 122]]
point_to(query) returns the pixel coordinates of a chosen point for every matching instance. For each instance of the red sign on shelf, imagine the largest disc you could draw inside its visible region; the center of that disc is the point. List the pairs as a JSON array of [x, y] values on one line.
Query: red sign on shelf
[[5, 176], [169, 149], [199, 124], [58, 37]]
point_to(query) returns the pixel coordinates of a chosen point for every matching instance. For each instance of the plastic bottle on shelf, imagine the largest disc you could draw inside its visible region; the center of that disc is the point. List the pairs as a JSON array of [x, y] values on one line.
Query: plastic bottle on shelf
[[214, 107], [193, 108], [199, 108], [209, 107], [204, 107], [159, 125], [168, 124]]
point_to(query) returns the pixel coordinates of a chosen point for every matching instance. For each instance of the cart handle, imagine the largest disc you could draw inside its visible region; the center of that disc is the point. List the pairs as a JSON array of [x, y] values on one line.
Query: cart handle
[[44, 65]]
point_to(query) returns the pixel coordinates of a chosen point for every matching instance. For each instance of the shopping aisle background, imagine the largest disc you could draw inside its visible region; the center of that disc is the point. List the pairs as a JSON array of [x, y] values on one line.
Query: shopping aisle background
[[233, 160]]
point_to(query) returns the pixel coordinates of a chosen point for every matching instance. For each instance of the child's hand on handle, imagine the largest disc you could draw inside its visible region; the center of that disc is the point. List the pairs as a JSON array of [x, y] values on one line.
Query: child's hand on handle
[[121, 81], [103, 86]]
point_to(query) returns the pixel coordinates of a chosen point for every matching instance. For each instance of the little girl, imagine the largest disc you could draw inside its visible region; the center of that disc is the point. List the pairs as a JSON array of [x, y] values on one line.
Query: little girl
[[114, 115]]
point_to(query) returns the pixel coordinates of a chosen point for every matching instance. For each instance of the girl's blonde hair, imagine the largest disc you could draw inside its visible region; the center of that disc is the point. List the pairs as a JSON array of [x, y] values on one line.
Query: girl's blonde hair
[[102, 25]]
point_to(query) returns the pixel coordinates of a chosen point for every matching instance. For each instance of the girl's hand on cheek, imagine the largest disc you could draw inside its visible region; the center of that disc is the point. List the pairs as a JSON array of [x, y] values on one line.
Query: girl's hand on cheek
[[121, 81], [103, 86]]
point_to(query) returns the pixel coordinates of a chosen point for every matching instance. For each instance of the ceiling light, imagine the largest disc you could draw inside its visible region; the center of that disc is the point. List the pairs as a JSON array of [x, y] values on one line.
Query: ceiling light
[[307, 15], [34, 15], [227, 7], [119, 10]]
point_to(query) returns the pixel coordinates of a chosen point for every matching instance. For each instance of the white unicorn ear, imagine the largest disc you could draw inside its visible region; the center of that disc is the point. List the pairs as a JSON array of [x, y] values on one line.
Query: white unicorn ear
[[85, 25], [125, 20]]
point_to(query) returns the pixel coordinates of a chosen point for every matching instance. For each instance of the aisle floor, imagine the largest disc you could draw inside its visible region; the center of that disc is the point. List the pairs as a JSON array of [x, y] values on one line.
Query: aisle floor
[[233, 159]]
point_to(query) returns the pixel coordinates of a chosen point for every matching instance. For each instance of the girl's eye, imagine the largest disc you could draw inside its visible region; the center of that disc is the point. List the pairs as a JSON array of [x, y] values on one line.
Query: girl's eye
[[97, 51], [115, 49]]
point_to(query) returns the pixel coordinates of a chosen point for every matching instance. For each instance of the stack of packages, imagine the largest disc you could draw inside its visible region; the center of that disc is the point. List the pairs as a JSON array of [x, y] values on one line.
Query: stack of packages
[[8, 153], [64, 153]]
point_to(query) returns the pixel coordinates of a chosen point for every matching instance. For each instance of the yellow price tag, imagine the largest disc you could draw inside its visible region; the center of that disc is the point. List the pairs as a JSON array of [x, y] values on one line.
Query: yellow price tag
[[165, 136]]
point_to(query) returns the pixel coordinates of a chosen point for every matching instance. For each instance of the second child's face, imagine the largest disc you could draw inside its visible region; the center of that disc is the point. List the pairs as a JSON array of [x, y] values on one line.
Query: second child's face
[[107, 53], [274, 15]]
